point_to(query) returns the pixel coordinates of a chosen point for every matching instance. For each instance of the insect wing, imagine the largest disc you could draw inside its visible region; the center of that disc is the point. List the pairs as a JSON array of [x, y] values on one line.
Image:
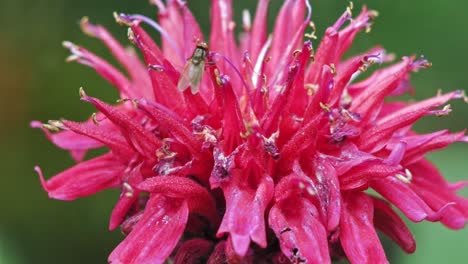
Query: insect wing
[[184, 80], [195, 74]]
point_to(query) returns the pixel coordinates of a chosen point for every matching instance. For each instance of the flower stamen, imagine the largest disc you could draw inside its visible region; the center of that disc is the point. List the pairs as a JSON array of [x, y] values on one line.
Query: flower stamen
[[406, 177], [246, 20], [128, 189]]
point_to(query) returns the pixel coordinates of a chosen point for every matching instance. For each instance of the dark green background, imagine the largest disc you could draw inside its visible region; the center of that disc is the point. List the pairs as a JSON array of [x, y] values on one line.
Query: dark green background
[[35, 83]]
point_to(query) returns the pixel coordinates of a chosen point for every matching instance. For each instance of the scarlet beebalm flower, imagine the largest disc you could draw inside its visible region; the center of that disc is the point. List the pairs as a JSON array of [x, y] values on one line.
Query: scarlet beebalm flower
[[269, 162]]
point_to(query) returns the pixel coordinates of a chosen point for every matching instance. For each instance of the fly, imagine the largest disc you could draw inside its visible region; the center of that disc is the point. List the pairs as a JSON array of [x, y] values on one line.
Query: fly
[[193, 69]]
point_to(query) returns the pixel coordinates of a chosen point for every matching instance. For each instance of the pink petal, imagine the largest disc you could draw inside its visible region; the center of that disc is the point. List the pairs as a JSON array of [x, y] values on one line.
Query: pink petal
[[171, 20], [222, 38], [192, 32], [103, 68], [129, 61], [156, 234], [357, 234], [387, 221], [259, 29], [77, 144], [84, 179]]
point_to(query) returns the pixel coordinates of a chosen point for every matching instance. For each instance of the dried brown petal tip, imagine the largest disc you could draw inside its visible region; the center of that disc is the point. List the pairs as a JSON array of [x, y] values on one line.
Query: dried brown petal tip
[[94, 118], [85, 27], [81, 92], [131, 36], [121, 20]]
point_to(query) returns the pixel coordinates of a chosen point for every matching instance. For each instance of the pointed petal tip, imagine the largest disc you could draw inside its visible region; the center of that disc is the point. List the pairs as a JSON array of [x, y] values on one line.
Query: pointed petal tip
[[437, 216], [35, 124], [88, 28], [240, 244], [113, 225], [38, 170], [457, 186]]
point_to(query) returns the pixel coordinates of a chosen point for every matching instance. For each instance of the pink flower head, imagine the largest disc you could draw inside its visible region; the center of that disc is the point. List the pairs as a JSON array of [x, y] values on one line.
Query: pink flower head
[[268, 157]]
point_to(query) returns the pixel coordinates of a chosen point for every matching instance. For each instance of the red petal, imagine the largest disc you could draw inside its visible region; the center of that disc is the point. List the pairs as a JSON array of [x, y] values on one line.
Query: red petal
[[288, 26], [376, 137], [128, 196], [222, 39], [328, 190], [417, 152], [233, 120], [84, 179], [369, 101], [156, 234], [387, 221], [245, 209], [197, 197], [405, 199], [291, 101], [193, 251], [357, 234], [271, 119], [142, 140], [173, 124], [105, 133], [219, 254], [347, 35], [300, 141], [164, 81], [437, 193], [326, 55], [103, 68], [302, 236], [360, 176]]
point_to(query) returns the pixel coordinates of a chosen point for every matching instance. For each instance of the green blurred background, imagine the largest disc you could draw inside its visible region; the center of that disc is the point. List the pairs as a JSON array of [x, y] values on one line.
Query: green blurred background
[[35, 83]]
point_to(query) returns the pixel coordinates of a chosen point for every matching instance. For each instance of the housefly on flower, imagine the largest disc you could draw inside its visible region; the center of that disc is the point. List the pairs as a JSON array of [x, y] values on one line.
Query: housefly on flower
[[193, 69]]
